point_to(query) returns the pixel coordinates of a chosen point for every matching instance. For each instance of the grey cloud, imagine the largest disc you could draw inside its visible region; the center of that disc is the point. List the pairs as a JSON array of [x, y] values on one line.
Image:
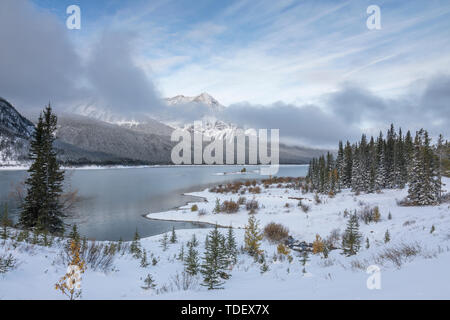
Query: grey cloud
[[37, 61], [308, 124], [121, 85]]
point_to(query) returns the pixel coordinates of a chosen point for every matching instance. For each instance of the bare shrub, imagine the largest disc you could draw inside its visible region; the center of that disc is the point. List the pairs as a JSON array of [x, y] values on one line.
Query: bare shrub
[[99, 256], [184, 281], [276, 232], [305, 208], [252, 205], [408, 223], [358, 265], [399, 254], [229, 206], [254, 190], [241, 200], [334, 238], [368, 214], [202, 212]]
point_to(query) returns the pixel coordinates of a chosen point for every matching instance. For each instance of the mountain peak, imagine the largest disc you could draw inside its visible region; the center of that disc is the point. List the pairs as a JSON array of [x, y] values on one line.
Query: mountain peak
[[203, 98]]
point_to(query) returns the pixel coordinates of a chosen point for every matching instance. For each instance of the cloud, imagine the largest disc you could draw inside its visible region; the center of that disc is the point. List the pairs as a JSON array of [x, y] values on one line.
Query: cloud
[[115, 78], [40, 63], [37, 61]]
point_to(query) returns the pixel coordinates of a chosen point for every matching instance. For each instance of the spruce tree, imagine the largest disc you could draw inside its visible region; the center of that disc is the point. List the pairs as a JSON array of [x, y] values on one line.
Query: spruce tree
[[231, 247], [173, 237], [135, 247], [42, 208], [191, 262], [351, 239], [214, 263]]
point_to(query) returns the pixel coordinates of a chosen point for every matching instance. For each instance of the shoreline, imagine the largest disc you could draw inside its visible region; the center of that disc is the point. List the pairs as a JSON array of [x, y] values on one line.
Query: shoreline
[[95, 167]]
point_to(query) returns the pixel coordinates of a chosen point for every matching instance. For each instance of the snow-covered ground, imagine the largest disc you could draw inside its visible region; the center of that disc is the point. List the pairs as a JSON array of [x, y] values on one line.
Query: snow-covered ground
[[423, 275]]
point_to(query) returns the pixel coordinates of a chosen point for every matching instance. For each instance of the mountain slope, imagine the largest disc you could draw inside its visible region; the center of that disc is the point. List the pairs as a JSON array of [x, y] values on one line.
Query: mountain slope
[[15, 131], [118, 142]]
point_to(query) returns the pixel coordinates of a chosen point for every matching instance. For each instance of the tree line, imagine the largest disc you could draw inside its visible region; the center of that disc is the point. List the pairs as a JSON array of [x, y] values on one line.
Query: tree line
[[390, 162]]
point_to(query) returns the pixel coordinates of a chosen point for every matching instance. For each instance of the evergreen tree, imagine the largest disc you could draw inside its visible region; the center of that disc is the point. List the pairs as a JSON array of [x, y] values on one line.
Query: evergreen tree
[[74, 235], [135, 247], [340, 166], [231, 247], [144, 261], [191, 263], [387, 237], [348, 165], [424, 183], [380, 179], [351, 239], [194, 241], [214, 263], [173, 237], [149, 283], [164, 241], [304, 260], [42, 208], [440, 150]]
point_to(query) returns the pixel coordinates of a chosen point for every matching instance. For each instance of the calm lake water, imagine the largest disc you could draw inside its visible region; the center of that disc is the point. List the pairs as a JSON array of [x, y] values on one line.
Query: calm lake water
[[114, 201]]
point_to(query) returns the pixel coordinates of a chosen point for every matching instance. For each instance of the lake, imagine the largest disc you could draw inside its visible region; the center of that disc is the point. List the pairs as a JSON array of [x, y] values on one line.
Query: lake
[[115, 200]]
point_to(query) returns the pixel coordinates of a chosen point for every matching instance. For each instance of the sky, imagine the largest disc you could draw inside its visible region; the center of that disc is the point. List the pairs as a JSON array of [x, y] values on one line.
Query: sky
[[311, 68]]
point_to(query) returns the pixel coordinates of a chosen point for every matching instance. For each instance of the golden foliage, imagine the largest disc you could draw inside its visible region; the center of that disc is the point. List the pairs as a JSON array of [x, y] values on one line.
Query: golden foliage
[[253, 237], [318, 245], [70, 283], [283, 250]]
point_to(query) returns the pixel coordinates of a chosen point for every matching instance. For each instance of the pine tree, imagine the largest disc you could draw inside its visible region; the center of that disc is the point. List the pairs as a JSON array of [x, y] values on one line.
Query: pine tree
[[424, 183], [135, 247], [149, 283], [380, 179], [348, 165], [351, 239], [173, 237], [181, 253], [340, 166], [440, 149], [214, 263], [144, 261], [253, 237], [194, 241], [191, 263], [164, 241], [74, 235], [42, 207], [387, 237], [304, 260], [231, 247]]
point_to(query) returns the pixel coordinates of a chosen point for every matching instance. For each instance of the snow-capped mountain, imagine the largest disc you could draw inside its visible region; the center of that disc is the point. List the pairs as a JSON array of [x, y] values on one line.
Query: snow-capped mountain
[[12, 122], [203, 98], [15, 131]]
